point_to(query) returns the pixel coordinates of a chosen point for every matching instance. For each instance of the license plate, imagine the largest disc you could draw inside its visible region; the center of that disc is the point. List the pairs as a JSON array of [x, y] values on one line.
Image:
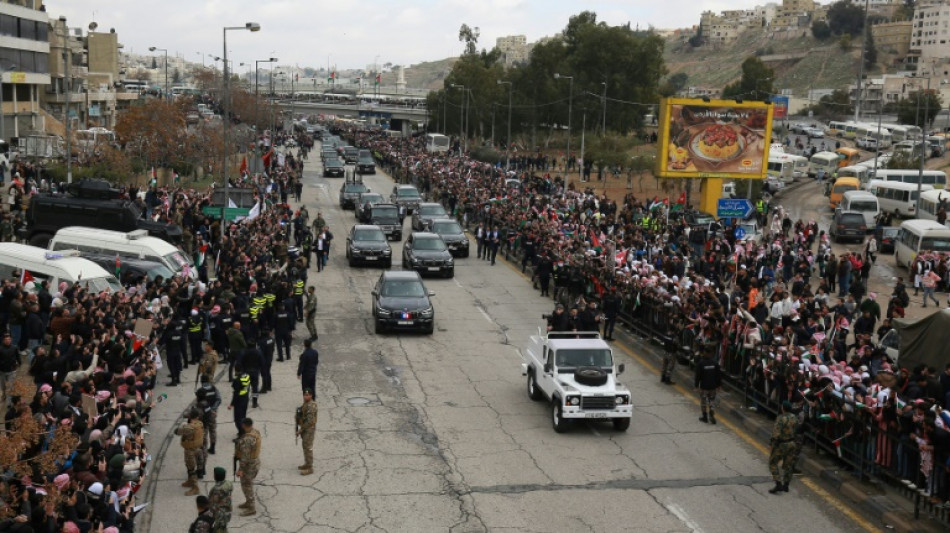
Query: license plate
[[453, 247], [370, 258], [433, 269], [404, 322], [595, 415]]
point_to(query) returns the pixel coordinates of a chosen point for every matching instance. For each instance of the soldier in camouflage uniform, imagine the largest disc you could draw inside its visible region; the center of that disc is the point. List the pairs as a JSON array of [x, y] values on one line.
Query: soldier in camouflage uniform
[[205, 520], [781, 459], [192, 440], [208, 366], [219, 498], [306, 427], [310, 310], [247, 450], [209, 399]]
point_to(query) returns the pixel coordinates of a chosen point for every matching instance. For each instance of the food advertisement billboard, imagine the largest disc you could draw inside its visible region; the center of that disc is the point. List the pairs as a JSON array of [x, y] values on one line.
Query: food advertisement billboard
[[713, 139]]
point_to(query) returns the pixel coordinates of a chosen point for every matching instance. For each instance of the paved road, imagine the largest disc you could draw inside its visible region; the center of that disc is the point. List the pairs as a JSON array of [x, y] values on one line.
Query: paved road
[[420, 433]]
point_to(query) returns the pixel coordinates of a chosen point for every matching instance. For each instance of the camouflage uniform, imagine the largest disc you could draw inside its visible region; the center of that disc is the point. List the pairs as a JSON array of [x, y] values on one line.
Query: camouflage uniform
[[308, 427], [248, 450], [208, 365], [192, 440], [781, 459], [310, 311], [219, 498]]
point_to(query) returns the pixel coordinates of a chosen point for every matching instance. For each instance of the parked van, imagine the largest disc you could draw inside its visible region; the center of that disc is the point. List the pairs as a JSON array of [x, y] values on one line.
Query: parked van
[[54, 267], [930, 203], [862, 202], [863, 173], [780, 167], [917, 235], [134, 244], [848, 156], [898, 197], [841, 186], [827, 161]]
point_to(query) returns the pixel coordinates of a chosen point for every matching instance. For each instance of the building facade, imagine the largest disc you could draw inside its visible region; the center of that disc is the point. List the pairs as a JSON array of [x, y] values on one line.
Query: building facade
[[514, 48], [24, 62]]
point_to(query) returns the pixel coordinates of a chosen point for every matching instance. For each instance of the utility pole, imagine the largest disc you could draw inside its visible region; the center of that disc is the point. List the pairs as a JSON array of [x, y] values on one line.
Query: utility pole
[[67, 82], [864, 43]]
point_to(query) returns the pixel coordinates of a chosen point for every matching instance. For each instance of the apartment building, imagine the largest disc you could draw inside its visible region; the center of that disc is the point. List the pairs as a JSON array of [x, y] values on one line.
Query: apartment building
[[931, 32], [514, 49], [24, 63]]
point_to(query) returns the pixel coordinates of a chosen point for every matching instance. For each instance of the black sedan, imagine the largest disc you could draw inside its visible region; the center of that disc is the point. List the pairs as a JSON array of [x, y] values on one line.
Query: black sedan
[[426, 253], [425, 214], [368, 245], [401, 301], [885, 237], [452, 234], [333, 167]]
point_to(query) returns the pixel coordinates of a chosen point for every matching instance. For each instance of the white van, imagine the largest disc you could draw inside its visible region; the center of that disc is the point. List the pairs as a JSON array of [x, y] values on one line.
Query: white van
[[783, 166], [134, 244], [54, 267], [863, 202], [917, 235], [861, 172], [828, 161]]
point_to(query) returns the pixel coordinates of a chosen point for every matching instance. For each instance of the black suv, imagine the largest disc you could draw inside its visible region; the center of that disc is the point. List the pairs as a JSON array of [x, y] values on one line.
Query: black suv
[[350, 191], [407, 197], [452, 235], [427, 253], [401, 301], [333, 167], [365, 163], [351, 154], [364, 202], [386, 216], [425, 214], [367, 244]]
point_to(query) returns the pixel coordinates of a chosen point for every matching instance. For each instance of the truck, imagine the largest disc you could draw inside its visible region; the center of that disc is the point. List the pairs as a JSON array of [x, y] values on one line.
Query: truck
[[574, 373]]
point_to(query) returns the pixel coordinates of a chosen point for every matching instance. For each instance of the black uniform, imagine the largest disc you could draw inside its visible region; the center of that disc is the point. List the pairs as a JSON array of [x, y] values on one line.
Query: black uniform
[[284, 326], [307, 369], [611, 311], [560, 321], [266, 345], [172, 340], [252, 361]]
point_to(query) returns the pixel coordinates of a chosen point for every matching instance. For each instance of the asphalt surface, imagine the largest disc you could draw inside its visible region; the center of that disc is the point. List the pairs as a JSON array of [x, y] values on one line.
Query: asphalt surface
[[436, 433]]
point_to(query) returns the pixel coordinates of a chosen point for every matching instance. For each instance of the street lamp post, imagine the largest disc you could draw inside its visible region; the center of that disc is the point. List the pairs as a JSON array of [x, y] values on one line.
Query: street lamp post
[[603, 131], [156, 49], [508, 137], [257, 117], [250, 26], [864, 44], [67, 82], [570, 112], [923, 139], [462, 142]]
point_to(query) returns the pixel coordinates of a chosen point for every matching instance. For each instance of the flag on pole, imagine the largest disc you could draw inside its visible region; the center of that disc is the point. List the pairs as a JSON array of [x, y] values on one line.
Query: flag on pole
[[231, 203], [244, 165], [201, 255], [118, 264], [26, 277], [254, 212], [378, 79]]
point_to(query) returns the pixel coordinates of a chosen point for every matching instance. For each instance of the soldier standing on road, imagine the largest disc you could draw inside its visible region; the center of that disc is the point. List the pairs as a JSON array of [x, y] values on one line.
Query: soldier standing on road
[[306, 427], [708, 380], [781, 458], [209, 399], [208, 366], [240, 394], [205, 520], [307, 367], [266, 345], [219, 501], [192, 439], [247, 450], [311, 312]]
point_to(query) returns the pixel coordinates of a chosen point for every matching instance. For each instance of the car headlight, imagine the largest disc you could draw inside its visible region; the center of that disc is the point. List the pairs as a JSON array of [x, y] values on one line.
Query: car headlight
[[426, 313], [449, 261], [622, 400], [388, 251], [573, 400], [383, 312]]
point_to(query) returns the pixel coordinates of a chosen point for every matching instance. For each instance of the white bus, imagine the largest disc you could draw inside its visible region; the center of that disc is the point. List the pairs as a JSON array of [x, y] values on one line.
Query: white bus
[[902, 132], [863, 202], [827, 161], [882, 137], [436, 142], [861, 172], [936, 178], [897, 197], [919, 235], [836, 128], [930, 203], [780, 166]]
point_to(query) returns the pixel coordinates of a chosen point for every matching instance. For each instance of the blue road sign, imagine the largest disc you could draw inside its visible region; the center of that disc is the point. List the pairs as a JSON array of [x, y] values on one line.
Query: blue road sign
[[734, 208], [740, 233]]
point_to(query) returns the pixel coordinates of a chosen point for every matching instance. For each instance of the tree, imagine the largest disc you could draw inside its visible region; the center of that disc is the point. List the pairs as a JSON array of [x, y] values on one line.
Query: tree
[[820, 30], [870, 52], [844, 42], [609, 151], [845, 17], [679, 80], [152, 131], [176, 76], [834, 105], [756, 83], [142, 75], [469, 36], [920, 108]]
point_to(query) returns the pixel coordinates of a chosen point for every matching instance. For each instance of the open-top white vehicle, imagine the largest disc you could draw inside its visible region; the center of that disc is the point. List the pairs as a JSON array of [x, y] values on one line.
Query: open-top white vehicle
[[575, 373]]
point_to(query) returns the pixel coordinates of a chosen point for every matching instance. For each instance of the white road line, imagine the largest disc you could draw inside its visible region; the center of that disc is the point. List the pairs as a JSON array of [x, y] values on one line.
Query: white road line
[[593, 430], [456, 280], [484, 314], [678, 512]]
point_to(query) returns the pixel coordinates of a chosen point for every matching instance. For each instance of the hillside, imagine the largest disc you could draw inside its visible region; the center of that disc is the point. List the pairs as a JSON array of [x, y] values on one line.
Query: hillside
[[799, 64], [426, 75]]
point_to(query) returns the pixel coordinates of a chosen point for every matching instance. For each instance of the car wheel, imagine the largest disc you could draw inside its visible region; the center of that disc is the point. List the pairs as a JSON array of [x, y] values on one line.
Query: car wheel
[[389, 264], [621, 424], [379, 326], [533, 391], [429, 330], [450, 274], [557, 417]]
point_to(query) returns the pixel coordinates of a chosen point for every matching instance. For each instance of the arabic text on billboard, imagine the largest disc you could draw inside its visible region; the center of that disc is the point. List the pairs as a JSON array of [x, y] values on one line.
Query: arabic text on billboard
[[713, 139]]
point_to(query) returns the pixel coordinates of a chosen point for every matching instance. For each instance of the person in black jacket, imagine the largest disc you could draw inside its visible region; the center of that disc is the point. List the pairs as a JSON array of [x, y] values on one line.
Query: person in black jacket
[[307, 367], [252, 360], [559, 319], [611, 312], [708, 380], [33, 329]]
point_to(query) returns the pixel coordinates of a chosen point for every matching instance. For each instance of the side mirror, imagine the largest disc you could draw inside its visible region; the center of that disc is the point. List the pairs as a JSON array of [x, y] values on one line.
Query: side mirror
[[547, 367], [620, 368], [375, 292], [431, 293]]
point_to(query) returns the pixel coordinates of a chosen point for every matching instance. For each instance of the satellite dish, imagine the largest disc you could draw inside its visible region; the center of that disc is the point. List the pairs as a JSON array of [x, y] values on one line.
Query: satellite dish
[[93, 26]]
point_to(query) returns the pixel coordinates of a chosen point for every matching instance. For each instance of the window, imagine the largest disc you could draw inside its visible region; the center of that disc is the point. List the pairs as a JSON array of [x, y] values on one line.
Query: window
[[8, 25], [27, 29]]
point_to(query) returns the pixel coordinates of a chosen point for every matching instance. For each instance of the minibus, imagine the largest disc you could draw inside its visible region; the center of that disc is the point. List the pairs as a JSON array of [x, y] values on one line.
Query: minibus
[[916, 236]]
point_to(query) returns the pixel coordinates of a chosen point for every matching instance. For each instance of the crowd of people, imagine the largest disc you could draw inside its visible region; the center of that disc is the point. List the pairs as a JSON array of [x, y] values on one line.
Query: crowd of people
[[785, 317], [79, 369]]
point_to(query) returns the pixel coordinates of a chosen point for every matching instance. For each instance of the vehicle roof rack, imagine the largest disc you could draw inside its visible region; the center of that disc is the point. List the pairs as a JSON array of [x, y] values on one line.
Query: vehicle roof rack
[[95, 189], [573, 335]]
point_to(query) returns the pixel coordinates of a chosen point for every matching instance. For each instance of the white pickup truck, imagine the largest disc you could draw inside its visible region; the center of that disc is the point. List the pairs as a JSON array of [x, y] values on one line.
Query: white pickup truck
[[575, 372]]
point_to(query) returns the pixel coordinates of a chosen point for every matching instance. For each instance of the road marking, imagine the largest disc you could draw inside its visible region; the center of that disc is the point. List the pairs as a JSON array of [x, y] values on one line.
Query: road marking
[[838, 504], [678, 512], [456, 280], [484, 314]]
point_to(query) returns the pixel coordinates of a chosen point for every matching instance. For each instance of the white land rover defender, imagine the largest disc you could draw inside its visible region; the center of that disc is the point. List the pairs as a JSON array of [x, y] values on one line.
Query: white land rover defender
[[575, 371]]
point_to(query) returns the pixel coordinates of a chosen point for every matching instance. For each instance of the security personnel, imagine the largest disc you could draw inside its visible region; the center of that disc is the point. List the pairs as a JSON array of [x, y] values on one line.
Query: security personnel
[[528, 245], [171, 339], [311, 312], [708, 380], [208, 366], [247, 450], [298, 298], [307, 367], [220, 338], [783, 453], [236, 345], [266, 346], [306, 428], [219, 500], [283, 327], [252, 361], [269, 308], [192, 440], [240, 395], [209, 399], [195, 334]]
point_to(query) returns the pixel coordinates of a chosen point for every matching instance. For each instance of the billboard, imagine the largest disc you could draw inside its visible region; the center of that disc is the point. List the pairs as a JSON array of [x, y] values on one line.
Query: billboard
[[780, 107], [713, 139]]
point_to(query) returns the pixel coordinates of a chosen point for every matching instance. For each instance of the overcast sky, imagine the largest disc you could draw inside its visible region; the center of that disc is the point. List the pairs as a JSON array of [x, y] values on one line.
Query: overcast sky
[[352, 33]]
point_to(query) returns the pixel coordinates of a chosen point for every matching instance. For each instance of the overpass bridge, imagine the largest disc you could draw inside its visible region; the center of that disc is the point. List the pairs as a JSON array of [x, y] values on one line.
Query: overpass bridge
[[399, 117]]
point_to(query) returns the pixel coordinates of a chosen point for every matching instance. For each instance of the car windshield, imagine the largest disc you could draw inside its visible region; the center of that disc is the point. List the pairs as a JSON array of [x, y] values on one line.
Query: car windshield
[[935, 244], [108, 283], [403, 289], [431, 210], [386, 214], [160, 270], [591, 357], [429, 244], [447, 228], [178, 259], [851, 218], [356, 187], [368, 235], [371, 198], [407, 193]]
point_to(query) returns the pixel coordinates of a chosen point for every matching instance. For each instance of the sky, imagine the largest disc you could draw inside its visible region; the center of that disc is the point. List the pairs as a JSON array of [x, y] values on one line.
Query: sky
[[355, 33]]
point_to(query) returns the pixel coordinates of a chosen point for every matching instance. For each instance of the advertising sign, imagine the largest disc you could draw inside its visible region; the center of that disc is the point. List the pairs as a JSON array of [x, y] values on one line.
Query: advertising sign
[[713, 139], [779, 107]]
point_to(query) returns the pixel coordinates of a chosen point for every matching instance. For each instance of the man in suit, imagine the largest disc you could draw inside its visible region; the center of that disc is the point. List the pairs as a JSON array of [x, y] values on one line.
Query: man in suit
[[480, 240], [494, 241]]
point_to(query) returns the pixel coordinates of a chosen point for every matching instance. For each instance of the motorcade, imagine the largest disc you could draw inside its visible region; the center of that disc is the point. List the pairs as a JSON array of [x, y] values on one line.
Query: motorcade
[[426, 253], [407, 197], [386, 216], [365, 163], [425, 214], [401, 302], [367, 244], [351, 189], [333, 167], [452, 234]]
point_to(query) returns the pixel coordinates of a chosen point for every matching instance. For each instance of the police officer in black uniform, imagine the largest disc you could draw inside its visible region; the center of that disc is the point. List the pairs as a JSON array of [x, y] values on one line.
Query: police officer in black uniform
[[172, 340], [253, 361], [529, 250], [196, 333], [284, 326], [266, 345]]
